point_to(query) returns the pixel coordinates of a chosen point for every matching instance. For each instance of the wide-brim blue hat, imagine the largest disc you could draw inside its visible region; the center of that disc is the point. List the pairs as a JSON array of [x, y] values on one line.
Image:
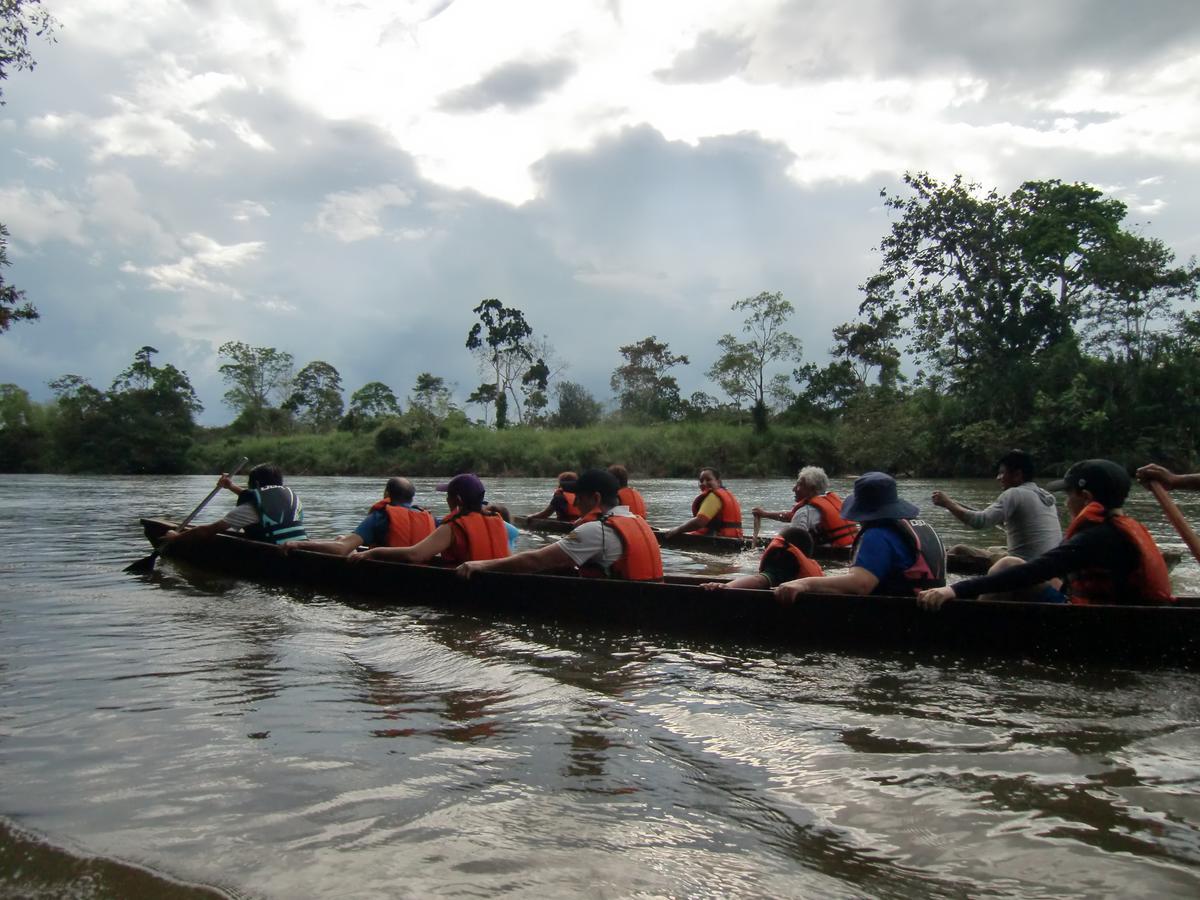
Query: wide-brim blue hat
[[875, 497]]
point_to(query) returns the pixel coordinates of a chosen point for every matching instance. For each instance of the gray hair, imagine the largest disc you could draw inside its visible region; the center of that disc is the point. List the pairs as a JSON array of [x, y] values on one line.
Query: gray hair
[[814, 478]]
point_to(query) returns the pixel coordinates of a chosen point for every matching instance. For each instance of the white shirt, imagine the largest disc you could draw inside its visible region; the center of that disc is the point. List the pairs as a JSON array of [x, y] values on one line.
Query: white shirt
[[591, 542]]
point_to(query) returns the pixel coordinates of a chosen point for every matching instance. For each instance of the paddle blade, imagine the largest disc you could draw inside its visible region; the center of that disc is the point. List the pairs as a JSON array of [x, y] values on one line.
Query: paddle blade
[[143, 565]]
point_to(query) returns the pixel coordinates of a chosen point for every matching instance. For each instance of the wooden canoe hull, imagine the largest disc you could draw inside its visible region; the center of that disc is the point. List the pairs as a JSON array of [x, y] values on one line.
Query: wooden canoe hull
[[1147, 636]]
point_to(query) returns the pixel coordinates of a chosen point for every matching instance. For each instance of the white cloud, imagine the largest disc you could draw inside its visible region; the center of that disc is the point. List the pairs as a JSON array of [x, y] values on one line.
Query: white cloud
[[201, 270], [355, 215], [38, 216]]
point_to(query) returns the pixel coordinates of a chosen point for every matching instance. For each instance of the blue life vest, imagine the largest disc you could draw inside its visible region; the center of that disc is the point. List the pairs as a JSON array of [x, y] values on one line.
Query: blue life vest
[[280, 515]]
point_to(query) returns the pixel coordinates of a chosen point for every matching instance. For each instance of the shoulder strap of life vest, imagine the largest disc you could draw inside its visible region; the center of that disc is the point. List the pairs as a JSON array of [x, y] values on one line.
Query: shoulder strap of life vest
[[280, 514], [730, 524], [641, 559], [408, 525], [835, 530], [476, 535]]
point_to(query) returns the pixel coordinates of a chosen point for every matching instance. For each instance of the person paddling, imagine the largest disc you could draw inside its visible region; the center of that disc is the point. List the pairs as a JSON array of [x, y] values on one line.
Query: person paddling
[[786, 558], [562, 503], [266, 511], [609, 542], [1107, 557], [395, 521], [467, 532], [715, 511], [817, 509], [896, 553]]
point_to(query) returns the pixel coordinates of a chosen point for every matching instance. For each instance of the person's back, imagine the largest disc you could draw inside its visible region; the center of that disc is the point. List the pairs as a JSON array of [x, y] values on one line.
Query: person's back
[[476, 535], [1030, 517], [280, 514], [906, 555]]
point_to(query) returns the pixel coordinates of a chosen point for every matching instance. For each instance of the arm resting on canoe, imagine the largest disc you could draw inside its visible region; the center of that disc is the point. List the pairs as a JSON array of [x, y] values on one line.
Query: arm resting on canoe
[[195, 533], [695, 523], [550, 558], [856, 581], [426, 550]]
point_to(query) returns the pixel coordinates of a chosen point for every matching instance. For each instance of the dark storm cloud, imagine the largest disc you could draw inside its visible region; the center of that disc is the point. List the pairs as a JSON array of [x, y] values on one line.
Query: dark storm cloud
[[514, 85], [714, 56], [1024, 44]]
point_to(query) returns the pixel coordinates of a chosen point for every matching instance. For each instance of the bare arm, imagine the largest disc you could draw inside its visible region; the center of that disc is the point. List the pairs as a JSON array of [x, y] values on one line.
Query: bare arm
[[550, 558], [195, 533], [546, 513], [1169, 479], [695, 523], [856, 581], [782, 516], [426, 550], [952, 506]]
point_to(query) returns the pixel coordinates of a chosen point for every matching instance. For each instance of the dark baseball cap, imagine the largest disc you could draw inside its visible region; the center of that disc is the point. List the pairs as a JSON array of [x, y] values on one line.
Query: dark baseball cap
[[1108, 481], [875, 497], [466, 486]]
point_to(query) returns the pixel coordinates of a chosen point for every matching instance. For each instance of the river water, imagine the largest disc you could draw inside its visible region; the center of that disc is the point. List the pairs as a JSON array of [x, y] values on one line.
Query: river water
[[187, 735]]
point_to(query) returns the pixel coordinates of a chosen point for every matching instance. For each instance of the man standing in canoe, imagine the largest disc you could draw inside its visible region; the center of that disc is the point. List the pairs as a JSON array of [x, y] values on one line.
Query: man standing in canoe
[[467, 532], [562, 503], [1028, 513], [818, 509], [786, 558], [1107, 557], [394, 521], [266, 511], [895, 553], [715, 511], [610, 541], [628, 496]]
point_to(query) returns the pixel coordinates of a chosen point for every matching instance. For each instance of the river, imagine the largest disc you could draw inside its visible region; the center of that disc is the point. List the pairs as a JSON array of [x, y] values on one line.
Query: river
[[187, 735]]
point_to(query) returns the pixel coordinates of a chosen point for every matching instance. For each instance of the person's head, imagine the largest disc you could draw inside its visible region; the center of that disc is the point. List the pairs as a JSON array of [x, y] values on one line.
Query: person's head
[[811, 481], [400, 490], [875, 498], [620, 473], [264, 475], [800, 538], [1014, 467], [566, 480], [596, 488], [464, 492], [1093, 480], [709, 478], [501, 511]]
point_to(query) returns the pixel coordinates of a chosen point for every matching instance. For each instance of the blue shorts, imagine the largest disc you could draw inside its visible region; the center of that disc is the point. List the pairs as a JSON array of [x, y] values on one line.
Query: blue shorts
[[1050, 594]]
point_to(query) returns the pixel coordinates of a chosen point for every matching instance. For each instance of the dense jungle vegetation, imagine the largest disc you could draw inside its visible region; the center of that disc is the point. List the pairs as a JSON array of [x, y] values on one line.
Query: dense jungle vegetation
[[1037, 320]]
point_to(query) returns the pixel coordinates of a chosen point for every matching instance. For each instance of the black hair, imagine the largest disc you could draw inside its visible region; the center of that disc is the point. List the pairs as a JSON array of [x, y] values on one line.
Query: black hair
[[501, 511], [600, 482], [265, 475], [715, 474], [1018, 461], [800, 538], [620, 473]]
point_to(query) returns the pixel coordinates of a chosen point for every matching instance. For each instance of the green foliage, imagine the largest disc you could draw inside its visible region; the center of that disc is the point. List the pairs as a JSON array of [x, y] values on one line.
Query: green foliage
[[13, 306], [370, 404], [316, 397], [577, 408], [645, 392], [503, 342], [256, 376]]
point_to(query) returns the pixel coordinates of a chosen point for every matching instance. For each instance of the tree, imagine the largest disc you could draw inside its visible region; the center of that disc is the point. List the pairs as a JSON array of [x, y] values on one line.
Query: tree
[[645, 392], [148, 419], [485, 395], [256, 376], [431, 397], [741, 368], [501, 340], [577, 408], [22, 437], [18, 20], [370, 403], [317, 396]]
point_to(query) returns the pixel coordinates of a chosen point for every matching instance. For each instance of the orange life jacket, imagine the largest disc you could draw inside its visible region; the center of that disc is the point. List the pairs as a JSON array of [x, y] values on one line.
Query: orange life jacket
[[572, 512], [834, 530], [406, 525], [475, 535], [631, 498], [640, 557], [730, 523], [805, 567], [1148, 583]]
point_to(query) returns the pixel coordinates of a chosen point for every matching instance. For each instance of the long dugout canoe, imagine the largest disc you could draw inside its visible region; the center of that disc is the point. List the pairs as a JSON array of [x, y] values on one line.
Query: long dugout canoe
[[1154, 636]]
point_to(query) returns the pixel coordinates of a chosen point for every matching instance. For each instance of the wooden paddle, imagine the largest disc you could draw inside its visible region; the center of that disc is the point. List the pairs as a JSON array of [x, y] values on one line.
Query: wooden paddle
[[146, 564], [1176, 517]]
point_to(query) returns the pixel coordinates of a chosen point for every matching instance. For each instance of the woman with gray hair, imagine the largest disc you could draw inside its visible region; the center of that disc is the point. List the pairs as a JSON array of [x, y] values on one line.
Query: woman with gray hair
[[817, 509]]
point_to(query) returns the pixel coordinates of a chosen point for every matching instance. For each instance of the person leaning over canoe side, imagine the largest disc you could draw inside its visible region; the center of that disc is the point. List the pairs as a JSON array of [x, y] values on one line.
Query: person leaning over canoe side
[[610, 541], [786, 558], [817, 508], [562, 504], [1027, 512], [266, 511], [466, 532], [1107, 557], [628, 496], [394, 521], [714, 512], [895, 553]]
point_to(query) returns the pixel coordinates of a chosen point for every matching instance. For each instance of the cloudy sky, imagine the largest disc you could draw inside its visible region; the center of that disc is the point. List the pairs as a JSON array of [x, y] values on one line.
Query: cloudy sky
[[345, 180]]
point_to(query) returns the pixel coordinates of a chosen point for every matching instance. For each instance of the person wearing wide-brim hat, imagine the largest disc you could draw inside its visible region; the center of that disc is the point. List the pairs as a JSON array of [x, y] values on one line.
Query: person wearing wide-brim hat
[[896, 552], [1107, 557]]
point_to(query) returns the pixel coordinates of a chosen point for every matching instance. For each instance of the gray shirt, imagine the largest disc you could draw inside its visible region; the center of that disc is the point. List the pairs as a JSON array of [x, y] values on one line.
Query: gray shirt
[[1029, 517]]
